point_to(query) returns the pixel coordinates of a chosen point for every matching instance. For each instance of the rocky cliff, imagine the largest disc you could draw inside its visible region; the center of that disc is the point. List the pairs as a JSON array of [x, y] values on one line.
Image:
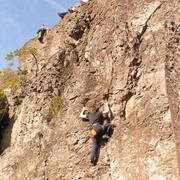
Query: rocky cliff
[[128, 49]]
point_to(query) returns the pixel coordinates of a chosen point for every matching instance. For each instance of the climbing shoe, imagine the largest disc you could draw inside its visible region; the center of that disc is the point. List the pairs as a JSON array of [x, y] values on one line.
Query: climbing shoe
[[92, 162], [105, 136]]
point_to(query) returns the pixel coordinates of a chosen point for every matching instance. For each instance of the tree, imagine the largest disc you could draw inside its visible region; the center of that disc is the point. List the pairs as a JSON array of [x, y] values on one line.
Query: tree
[[9, 80], [22, 53]]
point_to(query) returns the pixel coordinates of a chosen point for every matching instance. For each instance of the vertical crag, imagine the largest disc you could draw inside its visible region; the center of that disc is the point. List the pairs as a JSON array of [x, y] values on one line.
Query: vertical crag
[[104, 46], [5, 124], [173, 78]]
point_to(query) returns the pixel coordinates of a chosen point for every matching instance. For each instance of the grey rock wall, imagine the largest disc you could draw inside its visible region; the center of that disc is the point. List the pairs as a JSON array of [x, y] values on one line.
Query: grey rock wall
[[126, 48]]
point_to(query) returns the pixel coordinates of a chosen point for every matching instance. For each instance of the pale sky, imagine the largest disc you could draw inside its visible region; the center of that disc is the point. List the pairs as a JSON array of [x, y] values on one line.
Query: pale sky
[[21, 19]]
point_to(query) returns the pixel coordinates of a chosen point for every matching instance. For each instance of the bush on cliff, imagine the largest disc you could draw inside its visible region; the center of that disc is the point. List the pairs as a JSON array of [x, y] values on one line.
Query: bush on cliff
[[22, 53], [56, 103], [9, 79]]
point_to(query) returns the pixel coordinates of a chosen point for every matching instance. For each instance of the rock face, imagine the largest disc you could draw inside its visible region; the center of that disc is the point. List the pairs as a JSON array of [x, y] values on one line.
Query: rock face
[[126, 48]]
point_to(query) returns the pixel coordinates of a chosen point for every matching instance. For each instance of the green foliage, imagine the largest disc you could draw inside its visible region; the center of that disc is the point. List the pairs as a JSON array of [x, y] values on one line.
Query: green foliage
[[21, 53], [22, 71], [9, 79], [56, 103]]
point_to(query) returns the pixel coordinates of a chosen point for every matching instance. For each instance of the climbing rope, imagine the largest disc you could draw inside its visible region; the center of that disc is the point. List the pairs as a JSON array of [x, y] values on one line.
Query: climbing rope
[[106, 54], [101, 4], [133, 79], [134, 106]]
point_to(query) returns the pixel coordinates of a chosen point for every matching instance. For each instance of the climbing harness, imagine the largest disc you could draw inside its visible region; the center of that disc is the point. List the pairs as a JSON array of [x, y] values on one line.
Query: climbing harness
[[96, 130], [93, 133]]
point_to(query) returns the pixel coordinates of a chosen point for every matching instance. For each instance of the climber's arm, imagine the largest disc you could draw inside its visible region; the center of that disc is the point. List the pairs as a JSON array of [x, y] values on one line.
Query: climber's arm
[[82, 115], [37, 33], [106, 109]]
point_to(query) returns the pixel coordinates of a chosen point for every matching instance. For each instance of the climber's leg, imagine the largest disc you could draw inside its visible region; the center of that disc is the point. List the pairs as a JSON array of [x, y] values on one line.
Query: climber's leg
[[96, 145], [107, 130]]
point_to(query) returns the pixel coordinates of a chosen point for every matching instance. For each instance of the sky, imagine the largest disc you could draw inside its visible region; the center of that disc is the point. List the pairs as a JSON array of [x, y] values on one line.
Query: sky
[[21, 19]]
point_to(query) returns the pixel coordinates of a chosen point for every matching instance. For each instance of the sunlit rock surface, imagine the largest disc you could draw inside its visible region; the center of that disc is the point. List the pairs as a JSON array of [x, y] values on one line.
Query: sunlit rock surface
[[129, 48]]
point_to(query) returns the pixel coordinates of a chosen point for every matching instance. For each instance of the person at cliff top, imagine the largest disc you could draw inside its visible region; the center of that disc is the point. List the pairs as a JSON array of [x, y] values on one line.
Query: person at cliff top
[[99, 129], [62, 14], [72, 9], [41, 32], [84, 1]]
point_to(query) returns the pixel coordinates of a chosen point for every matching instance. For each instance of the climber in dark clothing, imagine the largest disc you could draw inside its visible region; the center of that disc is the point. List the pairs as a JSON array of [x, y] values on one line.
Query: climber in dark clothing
[[97, 128], [62, 14], [41, 32]]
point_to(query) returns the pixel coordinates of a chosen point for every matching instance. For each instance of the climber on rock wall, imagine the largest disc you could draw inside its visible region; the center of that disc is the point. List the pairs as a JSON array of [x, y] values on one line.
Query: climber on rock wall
[[73, 9], [99, 128], [41, 32], [84, 1], [62, 14]]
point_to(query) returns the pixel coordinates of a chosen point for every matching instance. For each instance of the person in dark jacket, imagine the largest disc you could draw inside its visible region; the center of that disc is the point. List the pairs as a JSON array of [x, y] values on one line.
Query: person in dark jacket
[[41, 32], [62, 14], [97, 128]]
